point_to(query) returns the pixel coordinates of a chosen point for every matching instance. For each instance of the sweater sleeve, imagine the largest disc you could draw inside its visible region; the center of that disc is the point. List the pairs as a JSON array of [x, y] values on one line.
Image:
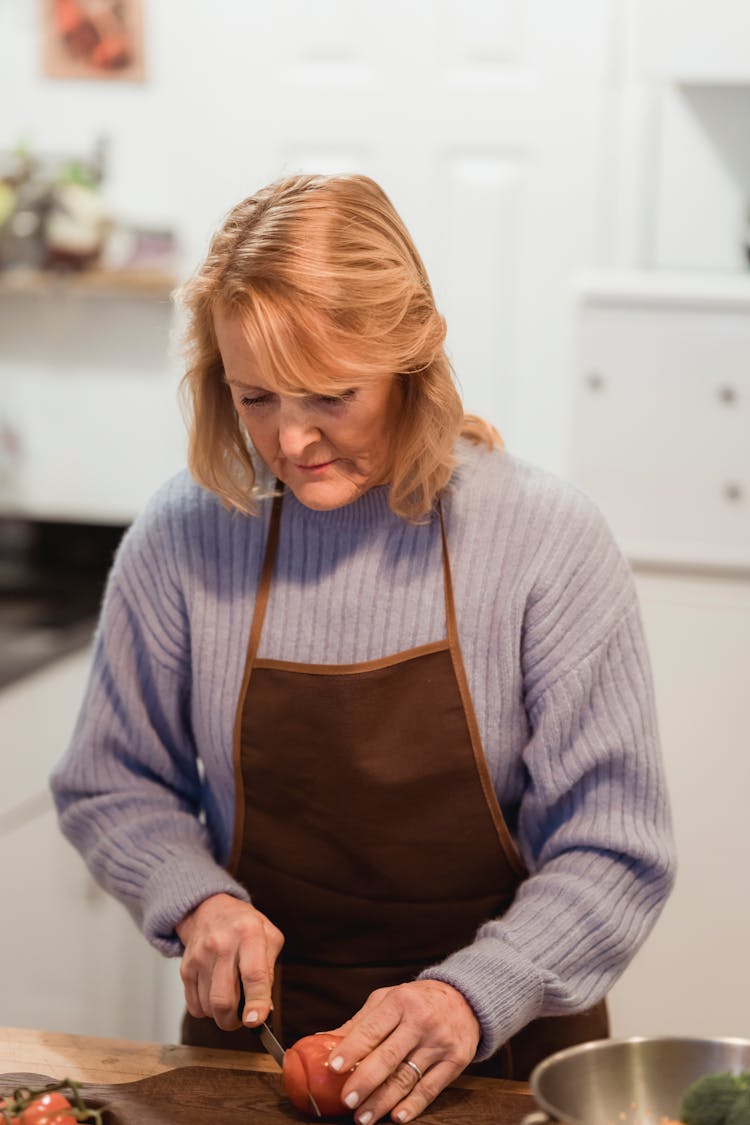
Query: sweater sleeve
[[594, 823], [128, 788]]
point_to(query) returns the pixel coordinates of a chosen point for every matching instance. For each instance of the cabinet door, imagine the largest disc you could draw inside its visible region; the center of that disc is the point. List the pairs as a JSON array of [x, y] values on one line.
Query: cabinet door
[[72, 958], [661, 425], [690, 978]]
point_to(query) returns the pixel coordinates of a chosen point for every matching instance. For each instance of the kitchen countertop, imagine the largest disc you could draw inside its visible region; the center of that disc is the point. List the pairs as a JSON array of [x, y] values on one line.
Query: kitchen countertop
[[478, 1101], [90, 1059]]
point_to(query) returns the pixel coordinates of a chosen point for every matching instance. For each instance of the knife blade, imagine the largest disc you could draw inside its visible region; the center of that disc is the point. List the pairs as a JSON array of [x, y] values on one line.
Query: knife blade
[[276, 1051], [274, 1048], [271, 1043]]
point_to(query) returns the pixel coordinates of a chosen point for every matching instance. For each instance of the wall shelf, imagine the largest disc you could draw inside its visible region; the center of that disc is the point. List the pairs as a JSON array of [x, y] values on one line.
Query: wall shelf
[[94, 282], [664, 288], [700, 41]]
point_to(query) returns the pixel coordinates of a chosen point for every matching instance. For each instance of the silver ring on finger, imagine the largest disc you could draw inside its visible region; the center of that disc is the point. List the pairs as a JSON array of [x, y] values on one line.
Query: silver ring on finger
[[414, 1067]]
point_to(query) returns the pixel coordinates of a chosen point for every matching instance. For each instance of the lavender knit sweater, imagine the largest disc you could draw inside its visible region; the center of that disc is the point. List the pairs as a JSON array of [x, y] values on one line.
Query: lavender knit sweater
[[555, 658]]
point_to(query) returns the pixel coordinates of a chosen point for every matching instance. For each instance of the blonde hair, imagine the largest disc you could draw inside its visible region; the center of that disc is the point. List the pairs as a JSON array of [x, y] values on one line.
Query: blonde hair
[[331, 292]]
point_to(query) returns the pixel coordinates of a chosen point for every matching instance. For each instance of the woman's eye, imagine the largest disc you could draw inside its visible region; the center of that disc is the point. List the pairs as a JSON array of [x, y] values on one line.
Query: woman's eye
[[264, 398], [336, 400], [255, 400]]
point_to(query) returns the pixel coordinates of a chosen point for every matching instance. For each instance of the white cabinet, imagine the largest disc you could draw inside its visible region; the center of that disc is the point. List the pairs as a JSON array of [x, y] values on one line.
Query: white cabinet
[[696, 40], [691, 977], [72, 959], [661, 420], [661, 441]]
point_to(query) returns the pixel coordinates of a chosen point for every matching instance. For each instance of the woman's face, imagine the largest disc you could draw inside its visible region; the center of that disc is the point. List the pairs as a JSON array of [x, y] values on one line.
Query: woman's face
[[327, 449]]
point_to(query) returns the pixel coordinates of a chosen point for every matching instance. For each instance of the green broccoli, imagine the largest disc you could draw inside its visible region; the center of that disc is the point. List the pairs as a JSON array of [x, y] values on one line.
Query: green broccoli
[[717, 1099], [739, 1114]]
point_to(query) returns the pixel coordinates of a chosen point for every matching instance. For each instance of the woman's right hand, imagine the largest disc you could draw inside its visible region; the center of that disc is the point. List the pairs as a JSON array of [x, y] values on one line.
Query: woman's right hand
[[227, 941]]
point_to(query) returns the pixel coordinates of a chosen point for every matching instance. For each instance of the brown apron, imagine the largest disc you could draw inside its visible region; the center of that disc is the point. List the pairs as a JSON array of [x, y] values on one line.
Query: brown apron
[[367, 829]]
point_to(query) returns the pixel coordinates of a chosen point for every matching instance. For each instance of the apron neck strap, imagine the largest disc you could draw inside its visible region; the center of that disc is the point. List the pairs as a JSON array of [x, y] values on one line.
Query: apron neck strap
[[450, 605], [264, 585]]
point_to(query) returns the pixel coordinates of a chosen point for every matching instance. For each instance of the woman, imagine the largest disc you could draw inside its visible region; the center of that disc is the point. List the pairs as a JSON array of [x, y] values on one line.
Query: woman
[[370, 727]]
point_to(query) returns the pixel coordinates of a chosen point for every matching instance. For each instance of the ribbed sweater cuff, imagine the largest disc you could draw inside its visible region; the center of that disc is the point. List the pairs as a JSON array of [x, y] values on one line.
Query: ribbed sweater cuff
[[177, 887], [503, 989]]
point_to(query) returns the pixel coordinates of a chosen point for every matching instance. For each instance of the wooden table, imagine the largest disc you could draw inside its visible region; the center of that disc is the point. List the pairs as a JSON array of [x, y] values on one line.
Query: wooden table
[[111, 1062], [88, 1059]]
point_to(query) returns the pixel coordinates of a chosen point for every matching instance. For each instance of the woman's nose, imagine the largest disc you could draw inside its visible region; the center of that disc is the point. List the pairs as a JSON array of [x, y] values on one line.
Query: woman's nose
[[297, 430]]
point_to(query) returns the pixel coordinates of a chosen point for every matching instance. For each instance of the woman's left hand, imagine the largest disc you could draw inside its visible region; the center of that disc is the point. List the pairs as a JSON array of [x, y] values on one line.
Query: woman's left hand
[[425, 1023]]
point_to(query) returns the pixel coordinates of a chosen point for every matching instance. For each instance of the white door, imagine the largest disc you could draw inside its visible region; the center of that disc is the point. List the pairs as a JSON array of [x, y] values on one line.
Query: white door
[[482, 119]]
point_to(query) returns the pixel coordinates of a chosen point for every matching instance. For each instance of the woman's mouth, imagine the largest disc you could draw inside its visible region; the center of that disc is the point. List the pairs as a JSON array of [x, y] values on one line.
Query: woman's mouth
[[320, 467]]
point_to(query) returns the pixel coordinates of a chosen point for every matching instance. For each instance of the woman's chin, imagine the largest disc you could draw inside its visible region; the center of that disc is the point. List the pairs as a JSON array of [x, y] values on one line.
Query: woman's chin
[[324, 496]]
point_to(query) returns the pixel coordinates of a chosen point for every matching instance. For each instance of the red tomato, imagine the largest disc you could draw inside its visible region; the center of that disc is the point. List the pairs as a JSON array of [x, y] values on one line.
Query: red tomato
[[48, 1109], [306, 1071]]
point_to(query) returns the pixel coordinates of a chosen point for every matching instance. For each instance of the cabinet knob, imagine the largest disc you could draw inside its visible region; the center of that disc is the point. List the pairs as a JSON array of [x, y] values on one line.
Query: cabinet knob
[[733, 492], [728, 395], [595, 381]]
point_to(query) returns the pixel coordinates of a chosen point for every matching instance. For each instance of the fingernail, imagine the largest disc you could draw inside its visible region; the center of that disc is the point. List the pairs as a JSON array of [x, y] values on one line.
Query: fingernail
[[352, 1099], [251, 1017], [365, 1117], [336, 1064], [401, 1115]]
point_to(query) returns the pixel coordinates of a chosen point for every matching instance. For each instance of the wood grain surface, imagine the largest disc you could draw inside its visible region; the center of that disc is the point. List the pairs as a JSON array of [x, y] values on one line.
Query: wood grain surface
[[204, 1095], [91, 1058]]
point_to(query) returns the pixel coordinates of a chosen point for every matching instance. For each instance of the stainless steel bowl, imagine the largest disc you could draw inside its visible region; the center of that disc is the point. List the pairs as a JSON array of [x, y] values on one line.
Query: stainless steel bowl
[[628, 1081]]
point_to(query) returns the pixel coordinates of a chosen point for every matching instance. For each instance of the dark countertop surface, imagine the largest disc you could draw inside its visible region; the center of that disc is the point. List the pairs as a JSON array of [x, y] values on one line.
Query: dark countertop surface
[[52, 576]]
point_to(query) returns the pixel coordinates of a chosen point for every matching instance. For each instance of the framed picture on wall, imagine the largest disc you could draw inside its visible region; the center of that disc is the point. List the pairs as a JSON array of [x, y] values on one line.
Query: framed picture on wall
[[93, 39]]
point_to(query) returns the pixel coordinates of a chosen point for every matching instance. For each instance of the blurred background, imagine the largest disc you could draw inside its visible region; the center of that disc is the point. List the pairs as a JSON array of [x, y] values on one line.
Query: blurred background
[[577, 179]]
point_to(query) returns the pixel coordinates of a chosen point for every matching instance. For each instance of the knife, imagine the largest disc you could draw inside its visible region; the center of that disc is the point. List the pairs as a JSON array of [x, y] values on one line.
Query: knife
[[276, 1051], [274, 1048]]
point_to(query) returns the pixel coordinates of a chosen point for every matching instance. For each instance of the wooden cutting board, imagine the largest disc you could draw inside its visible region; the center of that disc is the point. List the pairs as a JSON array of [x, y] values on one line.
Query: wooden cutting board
[[202, 1095]]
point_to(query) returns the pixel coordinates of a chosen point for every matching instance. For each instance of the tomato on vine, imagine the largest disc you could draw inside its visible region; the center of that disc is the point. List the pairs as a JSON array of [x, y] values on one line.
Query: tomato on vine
[[49, 1109], [59, 1103]]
